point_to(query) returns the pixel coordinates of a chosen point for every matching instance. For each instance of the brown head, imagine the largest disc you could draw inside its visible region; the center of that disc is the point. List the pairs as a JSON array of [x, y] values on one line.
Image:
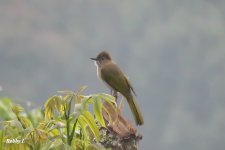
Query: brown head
[[102, 58]]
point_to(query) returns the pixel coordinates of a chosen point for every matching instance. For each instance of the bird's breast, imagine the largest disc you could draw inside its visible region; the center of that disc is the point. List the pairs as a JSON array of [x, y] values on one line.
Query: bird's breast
[[99, 73]]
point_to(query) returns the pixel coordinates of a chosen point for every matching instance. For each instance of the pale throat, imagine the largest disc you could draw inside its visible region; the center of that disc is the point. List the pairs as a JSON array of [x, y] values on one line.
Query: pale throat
[[97, 65]]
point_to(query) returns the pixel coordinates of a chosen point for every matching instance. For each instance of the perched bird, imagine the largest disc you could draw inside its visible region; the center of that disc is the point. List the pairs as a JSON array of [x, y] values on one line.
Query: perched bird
[[114, 78]]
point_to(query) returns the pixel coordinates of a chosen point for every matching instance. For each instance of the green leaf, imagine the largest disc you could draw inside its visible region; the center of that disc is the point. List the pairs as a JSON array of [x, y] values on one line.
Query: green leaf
[[108, 98], [17, 109], [107, 111], [82, 88], [66, 92], [25, 122], [1, 138], [82, 125], [53, 107], [86, 101], [89, 119], [5, 104], [98, 110]]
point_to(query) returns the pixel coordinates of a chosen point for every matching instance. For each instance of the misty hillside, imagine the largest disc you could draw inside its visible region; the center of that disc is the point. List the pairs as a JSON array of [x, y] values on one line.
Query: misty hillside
[[172, 51]]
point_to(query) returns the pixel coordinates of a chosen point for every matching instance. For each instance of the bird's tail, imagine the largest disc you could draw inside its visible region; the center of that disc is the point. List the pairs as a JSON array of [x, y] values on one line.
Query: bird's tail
[[135, 110]]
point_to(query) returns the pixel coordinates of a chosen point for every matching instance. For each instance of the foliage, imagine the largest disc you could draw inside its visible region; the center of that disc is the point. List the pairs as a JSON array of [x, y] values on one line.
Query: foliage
[[69, 121]]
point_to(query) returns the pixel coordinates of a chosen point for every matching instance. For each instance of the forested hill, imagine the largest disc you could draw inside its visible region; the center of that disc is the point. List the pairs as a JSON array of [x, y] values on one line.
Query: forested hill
[[172, 51]]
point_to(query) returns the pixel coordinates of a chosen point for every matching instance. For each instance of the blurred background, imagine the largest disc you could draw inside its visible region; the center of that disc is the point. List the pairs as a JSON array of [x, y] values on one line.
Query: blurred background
[[172, 50]]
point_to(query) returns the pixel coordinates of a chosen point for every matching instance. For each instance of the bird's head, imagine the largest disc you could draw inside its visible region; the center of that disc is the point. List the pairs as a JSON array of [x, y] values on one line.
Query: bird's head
[[102, 58]]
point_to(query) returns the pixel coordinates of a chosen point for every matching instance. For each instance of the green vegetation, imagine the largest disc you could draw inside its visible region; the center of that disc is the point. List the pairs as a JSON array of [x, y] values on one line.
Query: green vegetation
[[69, 121]]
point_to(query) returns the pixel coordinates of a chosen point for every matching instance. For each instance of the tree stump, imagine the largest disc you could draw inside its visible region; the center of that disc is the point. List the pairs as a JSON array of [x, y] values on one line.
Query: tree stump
[[119, 133]]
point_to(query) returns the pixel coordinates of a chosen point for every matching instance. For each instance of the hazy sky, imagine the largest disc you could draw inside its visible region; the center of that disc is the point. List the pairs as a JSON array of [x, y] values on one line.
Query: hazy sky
[[173, 52]]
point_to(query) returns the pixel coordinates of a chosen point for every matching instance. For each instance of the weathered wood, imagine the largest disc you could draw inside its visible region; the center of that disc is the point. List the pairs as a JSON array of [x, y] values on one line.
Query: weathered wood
[[119, 133]]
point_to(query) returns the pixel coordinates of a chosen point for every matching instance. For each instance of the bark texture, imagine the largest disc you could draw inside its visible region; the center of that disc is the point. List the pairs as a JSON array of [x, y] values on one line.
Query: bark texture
[[119, 133]]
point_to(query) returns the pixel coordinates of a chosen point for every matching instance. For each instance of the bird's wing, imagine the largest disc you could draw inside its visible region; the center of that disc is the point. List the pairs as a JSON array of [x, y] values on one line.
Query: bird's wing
[[115, 78], [131, 87]]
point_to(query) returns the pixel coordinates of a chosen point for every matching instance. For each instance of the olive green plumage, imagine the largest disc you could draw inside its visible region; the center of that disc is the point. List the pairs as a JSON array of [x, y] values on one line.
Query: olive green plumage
[[115, 79]]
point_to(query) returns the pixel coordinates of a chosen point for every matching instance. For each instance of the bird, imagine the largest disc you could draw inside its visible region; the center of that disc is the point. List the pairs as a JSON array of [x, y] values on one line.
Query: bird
[[114, 78]]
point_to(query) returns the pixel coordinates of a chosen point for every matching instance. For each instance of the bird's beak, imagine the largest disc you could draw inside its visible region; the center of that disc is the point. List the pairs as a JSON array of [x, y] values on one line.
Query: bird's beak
[[93, 59]]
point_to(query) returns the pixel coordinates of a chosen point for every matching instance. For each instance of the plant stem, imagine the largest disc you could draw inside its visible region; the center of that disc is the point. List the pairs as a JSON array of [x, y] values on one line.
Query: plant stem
[[67, 116], [72, 133]]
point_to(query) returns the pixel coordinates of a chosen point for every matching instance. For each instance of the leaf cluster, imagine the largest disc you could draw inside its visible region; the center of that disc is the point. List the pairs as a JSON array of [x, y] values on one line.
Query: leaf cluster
[[70, 120]]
